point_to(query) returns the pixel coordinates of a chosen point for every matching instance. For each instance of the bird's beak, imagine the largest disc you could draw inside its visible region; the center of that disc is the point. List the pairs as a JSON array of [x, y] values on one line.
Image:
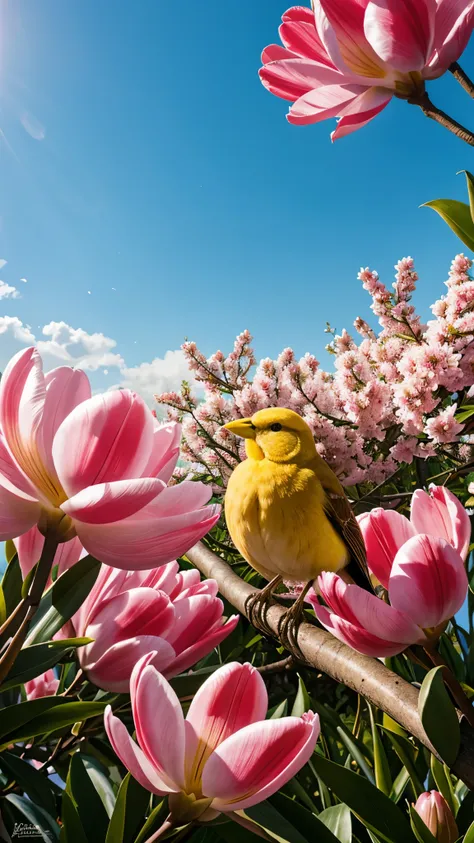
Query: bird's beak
[[241, 427]]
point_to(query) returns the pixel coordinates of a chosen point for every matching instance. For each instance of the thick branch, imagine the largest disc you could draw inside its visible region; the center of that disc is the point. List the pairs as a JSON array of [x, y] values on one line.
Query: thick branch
[[322, 651], [435, 113], [462, 78]]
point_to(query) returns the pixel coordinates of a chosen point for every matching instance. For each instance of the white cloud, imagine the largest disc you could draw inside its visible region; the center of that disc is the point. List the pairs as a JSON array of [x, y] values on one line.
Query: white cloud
[[78, 348], [8, 292], [33, 126], [25, 280], [15, 327], [163, 374], [2, 263]]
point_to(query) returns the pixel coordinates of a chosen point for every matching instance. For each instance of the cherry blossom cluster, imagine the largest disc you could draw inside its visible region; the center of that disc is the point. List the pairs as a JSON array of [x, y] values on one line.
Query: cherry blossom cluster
[[393, 395]]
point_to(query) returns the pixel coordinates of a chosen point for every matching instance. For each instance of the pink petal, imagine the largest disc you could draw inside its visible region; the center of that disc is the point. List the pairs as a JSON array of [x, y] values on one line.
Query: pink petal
[[67, 554], [441, 514], [30, 545], [301, 37], [292, 78], [299, 13], [159, 722], [401, 31], [175, 500], [17, 515], [107, 438], [191, 655], [45, 685], [356, 637], [453, 27], [12, 478], [275, 52], [384, 532], [258, 760], [323, 103], [22, 396], [194, 617], [139, 611], [113, 669], [428, 581], [354, 122], [135, 543], [165, 452], [65, 389], [132, 757], [233, 697], [107, 503], [340, 25]]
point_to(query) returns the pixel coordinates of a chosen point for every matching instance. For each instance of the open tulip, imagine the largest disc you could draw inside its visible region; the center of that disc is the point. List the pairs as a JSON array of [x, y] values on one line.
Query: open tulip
[[93, 467], [45, 685], [426, 587], [348, 58], [224, 756], [437, 816], [129, 614], [438, 513]]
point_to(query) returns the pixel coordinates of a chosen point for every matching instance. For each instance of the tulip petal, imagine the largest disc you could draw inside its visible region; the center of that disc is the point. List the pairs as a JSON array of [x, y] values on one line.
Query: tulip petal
[[139, 544], [175, 500], [22, 396], [428, 581], [165, 452], [106, 503], [302, 38], [17, 515], [161, 737], [138, 611], [354, 122], [340, 25], [440, 513], [384, 532], [191, 655], [401, 31], [453, 28], [193, 618], [233, 697], [275, 52], [255, 762], [45, 685], [112, 669], [323, 103], [132, 757], [12, 478], [298, 13], [356, 637], [65, 389], [107, 438]]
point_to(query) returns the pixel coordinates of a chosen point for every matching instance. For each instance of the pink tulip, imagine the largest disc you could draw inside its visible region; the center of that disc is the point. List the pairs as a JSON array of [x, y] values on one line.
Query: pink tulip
[[45, 685], [437, 816], [30, 545], [95, 467], [225, 754], [438, 513], [426, 587], [348, 58], [129, 614]]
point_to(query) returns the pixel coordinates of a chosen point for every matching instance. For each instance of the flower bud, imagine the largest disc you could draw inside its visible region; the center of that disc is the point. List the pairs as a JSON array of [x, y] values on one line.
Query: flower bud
[[437, 816]]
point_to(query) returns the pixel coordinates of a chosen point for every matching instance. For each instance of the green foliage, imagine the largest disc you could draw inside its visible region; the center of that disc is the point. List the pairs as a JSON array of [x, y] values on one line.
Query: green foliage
[[438, 716]]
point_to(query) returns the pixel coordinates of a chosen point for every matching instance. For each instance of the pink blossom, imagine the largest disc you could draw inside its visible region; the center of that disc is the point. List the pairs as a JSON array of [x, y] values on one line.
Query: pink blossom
[[349, 57], [131, 613], [437, 816], [92, 467], [45, 685], [224, 755]]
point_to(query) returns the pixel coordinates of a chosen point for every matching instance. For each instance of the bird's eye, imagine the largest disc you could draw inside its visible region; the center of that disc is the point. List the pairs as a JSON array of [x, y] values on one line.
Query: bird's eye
[[276, 427]]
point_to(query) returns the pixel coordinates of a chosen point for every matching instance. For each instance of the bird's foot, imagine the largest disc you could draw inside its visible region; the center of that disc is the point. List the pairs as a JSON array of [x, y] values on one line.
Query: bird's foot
[[290, 624], [256, 607]]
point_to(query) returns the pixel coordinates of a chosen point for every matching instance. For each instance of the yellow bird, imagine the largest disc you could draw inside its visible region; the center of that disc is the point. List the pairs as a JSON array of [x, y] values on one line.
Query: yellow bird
[[287, 513]]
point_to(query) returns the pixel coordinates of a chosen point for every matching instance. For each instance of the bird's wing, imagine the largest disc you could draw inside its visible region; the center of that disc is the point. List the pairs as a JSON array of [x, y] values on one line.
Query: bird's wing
[[339, 512]]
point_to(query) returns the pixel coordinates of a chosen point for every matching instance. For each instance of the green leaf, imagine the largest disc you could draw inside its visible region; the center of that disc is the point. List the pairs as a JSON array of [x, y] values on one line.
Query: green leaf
[[35, 660], [187, 684], [469, 838], [279, 711], [338, 820], [72, 830], [99, 777], [406, 753], [356, 753], [53, 718], [465, 413], [156, 818], [12, 582], [458, 216], [383, 779], [465, 813], [10, 550], [87, 801], [15, 716], [129, 812], [421, 831], [439, 717], [63, 599], [370, 805], [470, 190], [442, 779], [307, 823], [302, 702], [46, 827], [33, 783], [274, 823]]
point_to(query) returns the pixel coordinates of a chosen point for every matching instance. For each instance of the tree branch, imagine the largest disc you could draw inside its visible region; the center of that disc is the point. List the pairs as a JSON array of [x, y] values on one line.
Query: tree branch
[[322, 651], [462, 78]]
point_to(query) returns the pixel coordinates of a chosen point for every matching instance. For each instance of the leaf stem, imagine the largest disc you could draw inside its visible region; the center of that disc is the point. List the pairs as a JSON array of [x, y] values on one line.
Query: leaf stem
[[167, 826], [462, 78]]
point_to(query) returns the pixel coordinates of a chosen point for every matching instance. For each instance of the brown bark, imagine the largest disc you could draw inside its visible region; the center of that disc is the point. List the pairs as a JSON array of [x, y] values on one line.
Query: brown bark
[[321, 650]]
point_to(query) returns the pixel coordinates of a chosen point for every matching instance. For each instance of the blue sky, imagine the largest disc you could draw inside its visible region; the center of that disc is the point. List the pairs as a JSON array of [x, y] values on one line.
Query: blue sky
[[141, 153]]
